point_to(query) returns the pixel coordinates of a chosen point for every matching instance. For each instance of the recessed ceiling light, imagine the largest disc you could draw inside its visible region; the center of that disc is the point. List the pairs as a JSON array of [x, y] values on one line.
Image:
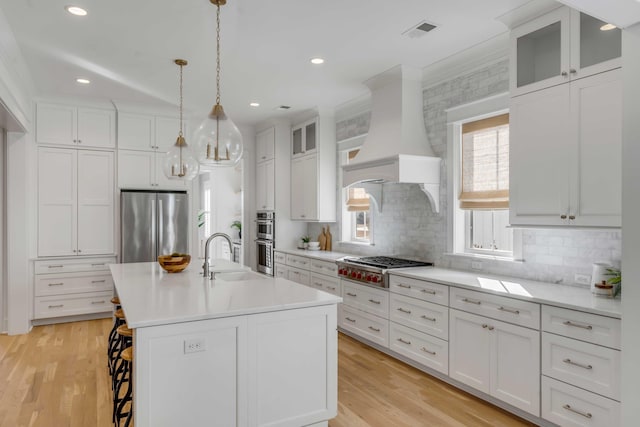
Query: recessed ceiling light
[[75, 10], [83, 81], [254, 104], [607, 27], [317, 61]]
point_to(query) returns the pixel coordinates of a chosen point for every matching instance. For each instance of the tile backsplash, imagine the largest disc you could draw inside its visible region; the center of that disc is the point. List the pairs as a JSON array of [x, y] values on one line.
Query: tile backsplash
[[408, 227]]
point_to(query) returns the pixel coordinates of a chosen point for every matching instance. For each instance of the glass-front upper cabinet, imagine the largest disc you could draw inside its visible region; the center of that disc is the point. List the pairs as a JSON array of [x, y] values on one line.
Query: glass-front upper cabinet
[[559, 46], [304, 138]]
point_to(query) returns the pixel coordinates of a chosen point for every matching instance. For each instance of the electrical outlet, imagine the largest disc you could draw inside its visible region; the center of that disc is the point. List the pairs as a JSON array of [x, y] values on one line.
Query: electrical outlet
[[582, 279], [193, 345], [476, 265]]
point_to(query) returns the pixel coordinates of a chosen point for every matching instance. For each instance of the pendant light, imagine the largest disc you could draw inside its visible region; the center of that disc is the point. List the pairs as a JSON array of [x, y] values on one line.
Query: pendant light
[[218, 140], [179, 162]]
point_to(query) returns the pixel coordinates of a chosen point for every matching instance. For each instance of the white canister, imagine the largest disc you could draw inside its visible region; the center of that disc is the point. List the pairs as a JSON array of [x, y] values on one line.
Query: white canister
[[599, 275]]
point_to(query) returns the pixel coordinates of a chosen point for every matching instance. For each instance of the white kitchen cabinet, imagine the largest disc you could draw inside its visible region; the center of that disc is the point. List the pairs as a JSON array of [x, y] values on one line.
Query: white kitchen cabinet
[[313, 172], [265, 185], [75, 202], [423, 348], [565, 154], [143, 170], [70, 287], [304, 138], [497, 358], [558, 47], [265, 145], [146, 132], [76, 126]]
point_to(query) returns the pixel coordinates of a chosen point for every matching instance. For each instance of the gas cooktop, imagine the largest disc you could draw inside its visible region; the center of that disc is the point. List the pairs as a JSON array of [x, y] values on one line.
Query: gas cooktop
[[372, 270]]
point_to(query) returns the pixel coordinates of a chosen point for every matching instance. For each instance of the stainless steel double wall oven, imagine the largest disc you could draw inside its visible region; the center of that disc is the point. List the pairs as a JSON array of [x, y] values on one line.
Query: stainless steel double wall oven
[[265, 243]]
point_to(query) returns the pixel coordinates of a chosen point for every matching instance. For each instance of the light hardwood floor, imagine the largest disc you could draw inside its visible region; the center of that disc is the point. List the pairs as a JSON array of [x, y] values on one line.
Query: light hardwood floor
[[57, 376]]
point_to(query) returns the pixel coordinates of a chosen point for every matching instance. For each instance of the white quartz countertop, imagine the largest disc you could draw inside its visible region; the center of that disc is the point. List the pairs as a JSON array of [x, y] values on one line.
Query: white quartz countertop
[[320, 255], [545, 293], [150, 296]]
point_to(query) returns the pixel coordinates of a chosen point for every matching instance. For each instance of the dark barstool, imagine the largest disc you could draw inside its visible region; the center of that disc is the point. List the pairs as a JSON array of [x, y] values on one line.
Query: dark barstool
[[122, 395], [114, 341]]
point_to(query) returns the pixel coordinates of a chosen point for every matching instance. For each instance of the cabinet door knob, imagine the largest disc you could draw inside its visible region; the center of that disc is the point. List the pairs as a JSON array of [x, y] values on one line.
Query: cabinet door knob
[[572, 217], [79, 141], [572, 70], [563, 217], [564, 74]]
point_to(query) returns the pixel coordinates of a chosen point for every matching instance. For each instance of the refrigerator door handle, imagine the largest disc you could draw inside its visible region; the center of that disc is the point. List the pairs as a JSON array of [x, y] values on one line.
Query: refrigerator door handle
[[160, 227], [153, 244]]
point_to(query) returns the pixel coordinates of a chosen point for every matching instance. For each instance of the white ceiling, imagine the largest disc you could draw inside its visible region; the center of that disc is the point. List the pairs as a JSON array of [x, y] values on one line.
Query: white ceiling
[[126, 48]]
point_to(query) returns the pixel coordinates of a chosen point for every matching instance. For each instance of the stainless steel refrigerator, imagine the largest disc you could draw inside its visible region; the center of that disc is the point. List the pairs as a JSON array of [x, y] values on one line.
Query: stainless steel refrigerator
[[152, 224]]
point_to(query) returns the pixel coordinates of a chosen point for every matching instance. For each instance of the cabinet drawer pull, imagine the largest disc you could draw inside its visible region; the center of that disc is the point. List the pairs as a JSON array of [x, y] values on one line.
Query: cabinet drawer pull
[[428, 291], [350, 319], [404, 342], [100, 264], [333, 288], [351, 295], [471, 301], [404, 310], [575, 411], [508, 310], [402, 285], [577, 325], [56, 306], [56, 284], [374, 329], [433, 353], [571, 362], [431, 319], [99, 281], [317, 284], [98, 302], [372, 301], [491, 328], [572, 217], [485, 326], [55, 266]]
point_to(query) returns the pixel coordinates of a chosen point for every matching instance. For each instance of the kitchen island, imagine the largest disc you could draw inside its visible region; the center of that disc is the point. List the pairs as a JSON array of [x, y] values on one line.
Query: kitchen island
[[240, 350]]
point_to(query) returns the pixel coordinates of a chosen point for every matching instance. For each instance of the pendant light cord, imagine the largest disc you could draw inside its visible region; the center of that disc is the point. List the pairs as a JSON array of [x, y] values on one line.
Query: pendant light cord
[[180, 131], [218, 55]]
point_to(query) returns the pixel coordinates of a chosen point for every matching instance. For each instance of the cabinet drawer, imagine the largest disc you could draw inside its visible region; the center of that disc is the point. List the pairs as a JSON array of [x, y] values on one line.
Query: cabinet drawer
[[299, 276], [73, 265], [280, 257], [588, 327], [374, 301], [570, 406], [584, 365], [425, 349], [72, 283], [424, 316], [421, 289], [298, 261], [510, 310], [281, 270], [326, 283], [71, 305], [365, 325], [323, 267]]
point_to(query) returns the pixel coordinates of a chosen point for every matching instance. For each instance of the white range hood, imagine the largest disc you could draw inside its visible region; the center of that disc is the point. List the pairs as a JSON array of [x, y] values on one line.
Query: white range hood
[[396, 148]]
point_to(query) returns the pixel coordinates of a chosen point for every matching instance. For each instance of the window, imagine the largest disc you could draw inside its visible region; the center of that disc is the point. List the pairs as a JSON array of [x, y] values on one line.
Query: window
[[357, 224]]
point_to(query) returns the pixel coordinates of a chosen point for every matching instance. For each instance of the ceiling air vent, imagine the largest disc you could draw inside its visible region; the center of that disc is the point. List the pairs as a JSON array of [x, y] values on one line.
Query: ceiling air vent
[[419, 30]]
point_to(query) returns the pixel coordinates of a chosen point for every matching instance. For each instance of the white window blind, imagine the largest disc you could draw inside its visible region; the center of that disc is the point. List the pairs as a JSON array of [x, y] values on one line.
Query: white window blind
[[358, 200], [485, 164]]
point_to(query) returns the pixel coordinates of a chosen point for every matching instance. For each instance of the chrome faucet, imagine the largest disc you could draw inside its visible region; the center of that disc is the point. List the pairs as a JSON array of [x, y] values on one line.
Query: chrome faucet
[[205, 267]]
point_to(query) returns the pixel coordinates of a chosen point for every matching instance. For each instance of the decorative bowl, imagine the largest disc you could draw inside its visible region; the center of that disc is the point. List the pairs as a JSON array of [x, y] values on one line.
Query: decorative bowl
[[174, 264]]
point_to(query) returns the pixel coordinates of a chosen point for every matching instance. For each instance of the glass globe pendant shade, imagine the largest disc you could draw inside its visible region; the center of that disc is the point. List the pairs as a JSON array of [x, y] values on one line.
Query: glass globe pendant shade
[[218, 140], [179, 162]]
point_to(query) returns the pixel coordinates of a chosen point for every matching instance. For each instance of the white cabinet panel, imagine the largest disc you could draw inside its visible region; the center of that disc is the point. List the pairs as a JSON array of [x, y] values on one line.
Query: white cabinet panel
[[365, 325], [136, 169], [585, 365], [570, 406], [539, 163], [365, 298], [71, 305], [96, 127], [72, 283], [56, 124], [421, 289], [299, 276], [57, 201], [469, 350], [281, 271], [96, 218], [166, 133], [304, 188], [588, 327], [265, 145], [136, 131], [280, 257], [265, 185], [426, 317], [425, 349]]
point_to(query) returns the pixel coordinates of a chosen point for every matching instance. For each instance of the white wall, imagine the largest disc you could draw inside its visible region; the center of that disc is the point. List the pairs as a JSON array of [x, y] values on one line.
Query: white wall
[[631, 227], [3, 243]]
